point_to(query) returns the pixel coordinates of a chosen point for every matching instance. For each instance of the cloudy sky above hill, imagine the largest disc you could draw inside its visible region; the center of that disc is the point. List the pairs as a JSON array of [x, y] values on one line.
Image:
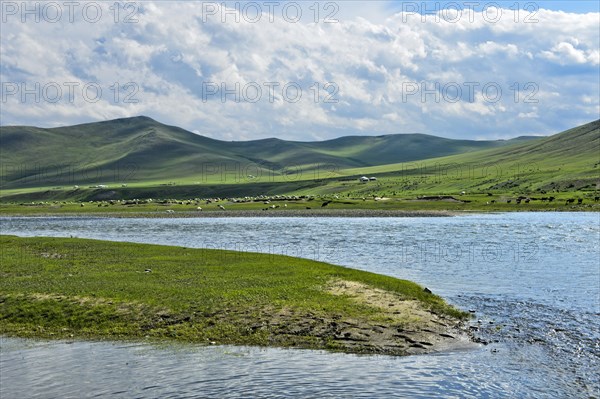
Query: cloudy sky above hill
[[304, 70]]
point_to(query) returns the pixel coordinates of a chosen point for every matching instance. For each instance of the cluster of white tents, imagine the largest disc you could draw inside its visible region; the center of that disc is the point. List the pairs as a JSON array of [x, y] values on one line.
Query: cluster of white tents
[[366, 179]]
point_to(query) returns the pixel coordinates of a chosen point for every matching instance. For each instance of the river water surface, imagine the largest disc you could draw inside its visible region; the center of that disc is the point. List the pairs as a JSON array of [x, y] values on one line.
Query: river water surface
[[531, 279]]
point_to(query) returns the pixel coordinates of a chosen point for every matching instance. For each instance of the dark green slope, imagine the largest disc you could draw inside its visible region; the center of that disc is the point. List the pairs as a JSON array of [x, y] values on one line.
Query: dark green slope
[[131, 149], [141, 149], [401, 148], [357, 151]]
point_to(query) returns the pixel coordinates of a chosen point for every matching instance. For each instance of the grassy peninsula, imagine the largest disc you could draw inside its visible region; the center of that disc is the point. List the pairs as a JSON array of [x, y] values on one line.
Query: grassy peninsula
[[87, 289]]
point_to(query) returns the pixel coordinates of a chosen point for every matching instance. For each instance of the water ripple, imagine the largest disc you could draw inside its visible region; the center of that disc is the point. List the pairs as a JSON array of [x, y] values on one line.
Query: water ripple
[[534, 276]]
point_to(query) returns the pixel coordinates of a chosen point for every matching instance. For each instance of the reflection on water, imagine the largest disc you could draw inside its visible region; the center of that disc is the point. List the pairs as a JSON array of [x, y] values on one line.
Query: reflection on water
[[533, 280]]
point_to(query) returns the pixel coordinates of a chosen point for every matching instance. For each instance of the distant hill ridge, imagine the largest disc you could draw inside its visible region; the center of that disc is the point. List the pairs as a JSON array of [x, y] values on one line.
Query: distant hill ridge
[[160, 151]]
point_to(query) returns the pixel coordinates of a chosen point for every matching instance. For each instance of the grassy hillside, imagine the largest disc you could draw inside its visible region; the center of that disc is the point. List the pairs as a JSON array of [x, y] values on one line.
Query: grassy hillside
[[118, 151], [565, 162], [407, 147], [142, 151], [180, 164]]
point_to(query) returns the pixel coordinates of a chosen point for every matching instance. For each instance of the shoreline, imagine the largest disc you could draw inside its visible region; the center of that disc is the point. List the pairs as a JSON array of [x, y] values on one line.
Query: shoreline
[[82, 289], [463, 340], [355, 213], [437, 334], [290, 213]]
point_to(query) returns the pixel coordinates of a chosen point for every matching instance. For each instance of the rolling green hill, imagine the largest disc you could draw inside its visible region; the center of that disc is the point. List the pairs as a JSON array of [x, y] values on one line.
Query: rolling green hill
[[141, 158], [117, 151], [567, 161], [142, 150]]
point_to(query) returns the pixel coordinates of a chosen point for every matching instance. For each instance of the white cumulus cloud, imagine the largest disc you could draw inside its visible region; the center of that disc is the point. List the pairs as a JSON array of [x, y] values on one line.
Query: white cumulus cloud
[[376, 70]]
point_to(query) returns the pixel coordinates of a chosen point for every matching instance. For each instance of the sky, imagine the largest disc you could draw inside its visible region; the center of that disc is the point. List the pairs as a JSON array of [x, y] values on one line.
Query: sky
[[304, 70]]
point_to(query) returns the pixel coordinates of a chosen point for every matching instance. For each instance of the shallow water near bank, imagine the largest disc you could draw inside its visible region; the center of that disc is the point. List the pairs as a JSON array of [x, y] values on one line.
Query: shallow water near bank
[[533, 280], [92, 369]]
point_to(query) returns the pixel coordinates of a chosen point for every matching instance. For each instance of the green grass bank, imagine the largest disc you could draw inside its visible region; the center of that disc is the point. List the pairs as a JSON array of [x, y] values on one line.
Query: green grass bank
[[88, 289]]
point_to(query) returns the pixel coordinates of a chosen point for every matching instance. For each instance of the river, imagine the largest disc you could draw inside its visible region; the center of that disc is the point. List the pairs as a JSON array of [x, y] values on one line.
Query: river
[[531, 279]]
